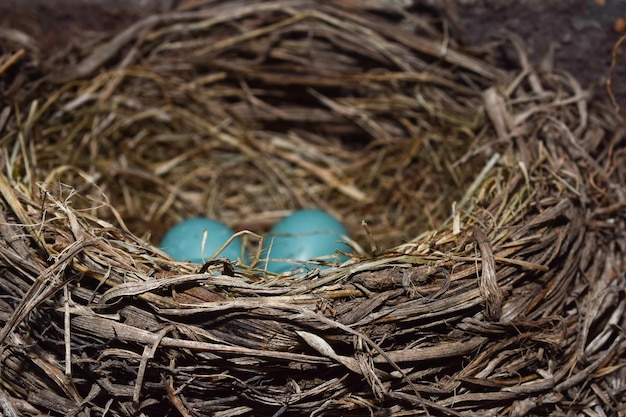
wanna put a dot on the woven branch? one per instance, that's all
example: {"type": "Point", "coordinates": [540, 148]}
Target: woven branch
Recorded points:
{"type": "Point", "coordinates": [494, 204]}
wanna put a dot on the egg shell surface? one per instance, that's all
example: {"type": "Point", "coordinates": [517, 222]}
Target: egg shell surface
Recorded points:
{"type": "Point", "coordinates": [183, 242]}
{"type": "Point", "coordinates": [302, 236]}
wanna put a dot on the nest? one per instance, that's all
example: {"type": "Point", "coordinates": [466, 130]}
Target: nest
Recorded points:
{"type": "Point", "coordinates": [486, 208]}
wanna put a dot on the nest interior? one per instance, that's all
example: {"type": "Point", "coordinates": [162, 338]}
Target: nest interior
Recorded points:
{"type": "Point", "coordinates": [485, 206]}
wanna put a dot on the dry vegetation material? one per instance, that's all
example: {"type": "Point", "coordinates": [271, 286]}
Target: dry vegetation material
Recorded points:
{"type": "Point", "coordinates": [488, 280]}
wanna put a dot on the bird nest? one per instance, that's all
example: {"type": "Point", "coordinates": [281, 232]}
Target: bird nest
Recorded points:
{"type": "Point", "coordinates": [485, 207]}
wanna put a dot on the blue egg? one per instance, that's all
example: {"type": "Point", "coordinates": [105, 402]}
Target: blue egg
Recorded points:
{"type": "Point", "coordinates": [303, 236]}
{"type": "Point", "coordinates": [183, 242]}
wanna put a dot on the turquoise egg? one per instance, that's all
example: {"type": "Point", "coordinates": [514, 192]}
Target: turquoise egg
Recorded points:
{"type": "Point", "coordinates": [303, 236]}
{"type": "Point", "coordinates": [183, 242]}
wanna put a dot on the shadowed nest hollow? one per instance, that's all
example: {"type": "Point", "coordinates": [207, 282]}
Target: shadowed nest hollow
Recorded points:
{"type": "Point", "coordinates": [485, 208]}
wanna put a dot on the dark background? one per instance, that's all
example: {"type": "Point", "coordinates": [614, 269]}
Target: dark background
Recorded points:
{"type": "Point", "coordinates": [575, 35]}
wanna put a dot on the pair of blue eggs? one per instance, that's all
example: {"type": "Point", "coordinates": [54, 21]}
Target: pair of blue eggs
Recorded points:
{"type": "Point", "coordinates": [296, 241]}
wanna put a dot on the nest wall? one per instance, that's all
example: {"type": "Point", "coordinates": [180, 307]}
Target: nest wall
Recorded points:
{"type": "Point", "coordinates": [486, 208]}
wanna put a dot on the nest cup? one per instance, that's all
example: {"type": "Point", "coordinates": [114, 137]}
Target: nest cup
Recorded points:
{"type": "Point", "coordinates": [485, 207]}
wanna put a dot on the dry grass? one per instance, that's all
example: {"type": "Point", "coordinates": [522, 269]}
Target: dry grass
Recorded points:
{"type": "Point", "coordinates": [488, 280]}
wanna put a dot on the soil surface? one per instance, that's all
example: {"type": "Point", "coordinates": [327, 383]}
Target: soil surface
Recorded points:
{"type": "Point", "coordinates": [575, 35]}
